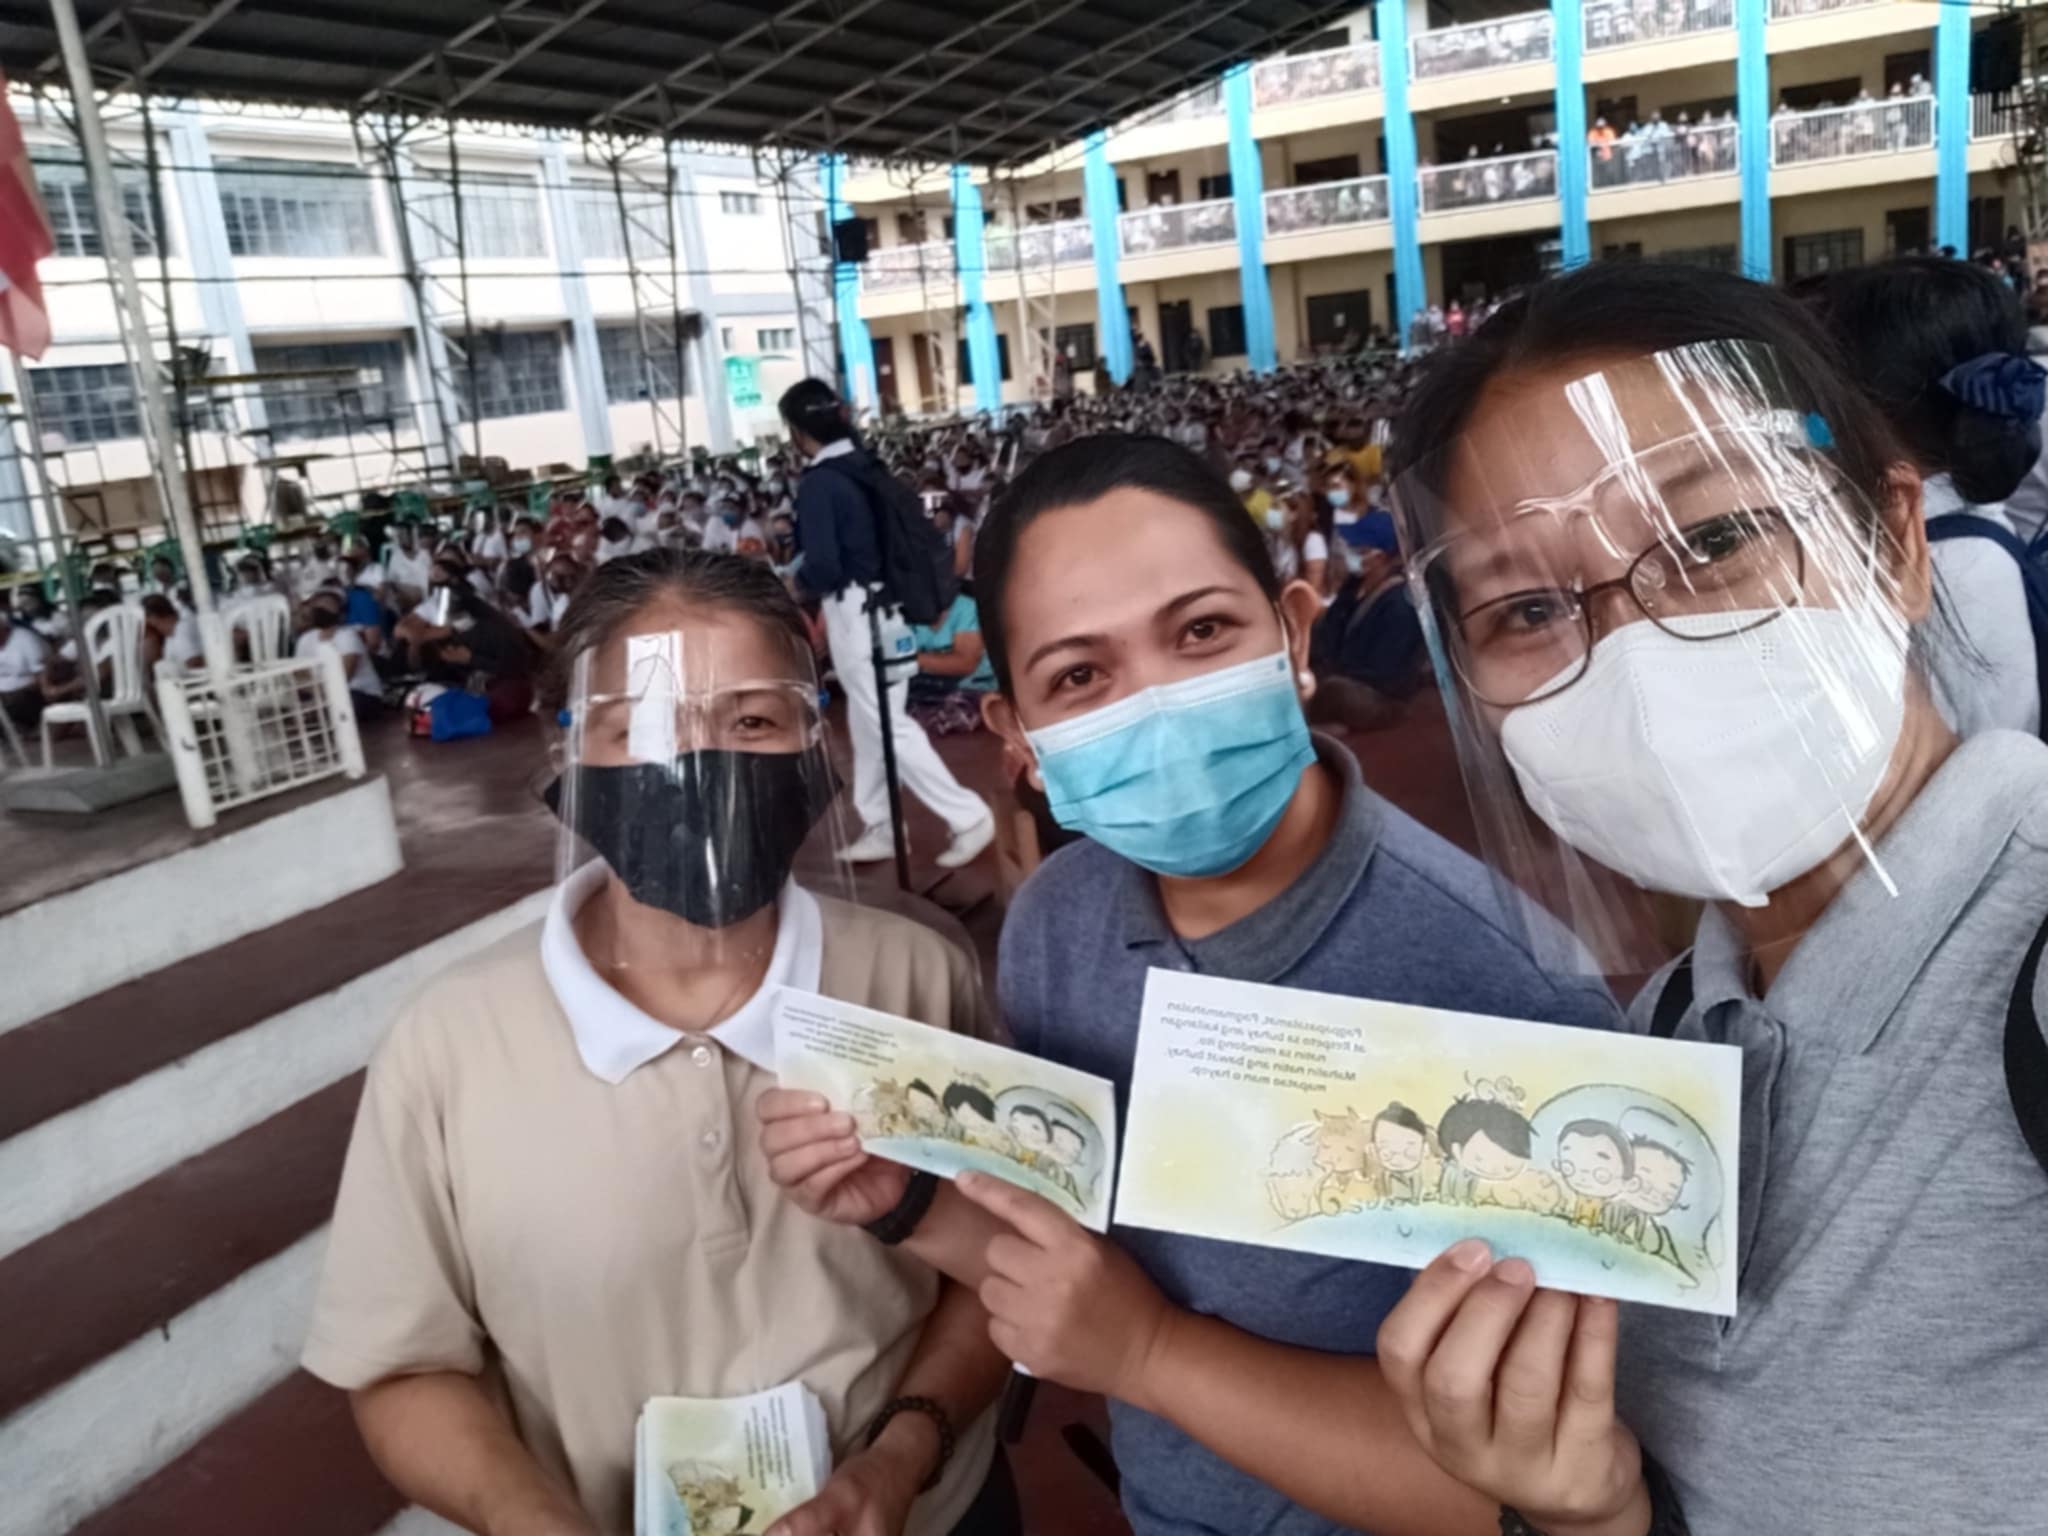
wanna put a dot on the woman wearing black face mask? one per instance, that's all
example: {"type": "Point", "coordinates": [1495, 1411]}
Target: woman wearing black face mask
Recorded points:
{"type": "Point", "coordinates": [555, 1205]}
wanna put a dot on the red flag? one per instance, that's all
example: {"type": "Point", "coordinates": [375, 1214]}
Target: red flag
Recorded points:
{"type": "Point", "coordinates": [24, 240]}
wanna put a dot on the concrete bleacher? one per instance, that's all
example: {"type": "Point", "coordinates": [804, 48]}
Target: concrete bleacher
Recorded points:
{"type": "Point", "coordinates": [170, 1147]}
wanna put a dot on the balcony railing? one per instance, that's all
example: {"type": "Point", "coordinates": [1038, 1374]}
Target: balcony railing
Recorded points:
{"type": "Point", "coordinates": [1845, 133]}
{"type": "Point", "coordinates": [1482, 183]}
{"type": "Point", "coordinates": [1786, 10]}
{"type": "Point", "coordinates": [1482, 45]}
{"type": "Point", "coordinates": [1618, 23]}
{"type": "Point", "coordinates": [896, 267]}
{"type": "Point", "coordinates": [1998, 116]}
{"type": "Point", "coordinates": [1203, 101]}
{"type": "Point", "coordinates": [1327, 205]}
{"type": "Point", "coordinates": [1062, 244]}
{"type": "Point", "coordinates": [1177, 227]}
{"type": "Point", "coordinates": [1316, 76]}
{"type": "Point", "coordinates": [1650, 159]}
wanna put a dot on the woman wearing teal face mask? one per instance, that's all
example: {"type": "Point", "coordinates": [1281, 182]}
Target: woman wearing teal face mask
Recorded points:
{"type": "Point", "coordinates": [1152, 667]}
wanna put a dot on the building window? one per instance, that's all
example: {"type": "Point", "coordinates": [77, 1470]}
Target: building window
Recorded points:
{"type": "Point", "coordinates": [725, 334]}
{"type": "Point", "coordinates": [1812, 255]}
{"type": "Point", "coordinates": [375, 391]}
{"type": "Point", "coordinates": [93, 403]}
{"type": "Point", "coordinates": [1226, 331]}
{"type": "Point", "coordinates": [600, 235]}
{"type": "Point", "coordinates": [1309, 173]}
{"type": "Point", "coordinates": [776, 338]}
{"type": "Point", "coordinates": [1050, 213]}
{"type": "Point", "coordinates": [746, 204]}
{"type": "Point", "coordinates": [1002, 359]}
{"type": "Point", "coordinates": [501, 218]}
{"type": "Point", "coordinates": [625, 367]}
{"type": "Point", "coordinates": [75, 221]}
{"type": "Point", "coordinates": [296, 208]}
{"type": "Point", "coordinates": [1076, 343]}
{"type": "Point", "coordinates": [1215, 187]}
{"type": "Point", "coordinates": [1715, 258]}
{"type": "Point", "coordinates": [518, 373]}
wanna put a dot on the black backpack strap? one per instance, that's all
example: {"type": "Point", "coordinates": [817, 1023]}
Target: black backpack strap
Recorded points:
{"type": "Point", "coordinates": [2026, 1056]}
{"type": "Point", "coordinates": [1674, 1001]}
{"type": "Point", "coordinates": [1967, 525]}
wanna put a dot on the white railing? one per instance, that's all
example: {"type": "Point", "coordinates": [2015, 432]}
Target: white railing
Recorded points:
{"type": "Point", "coordinates": [1063, 244]}
{"type": "Point", "coordinates": [1649, 159]}
{"type": "Point", "coordinates": [1482, 183]}
{"type": "Point", "coordinates": [1618, 23]}
{"type": "Point", "coordinates": [265, 730]}
{"type": "Point", "coordinates": [1997, 117]}
{"type": "Point", "coordinates": [1844, 133]}
{"type": "Point", "coordinates": [1202, 101]}
{"type": "Point", "coordinates": [1785, 10]}
{"type": "Point", "coordinates": [896, 267]}
{"type": "Point", "coordinates": [1497, 44]}
{"type": "Point", "coordinates": [1177, 227]}
{"type": "Point", "coordinates": [1326, 205]}
{"type": "Point", "coordinates": [1316, 76]}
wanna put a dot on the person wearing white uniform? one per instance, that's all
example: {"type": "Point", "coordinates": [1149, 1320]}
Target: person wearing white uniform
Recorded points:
{"type": "Point", "coordinates": [837, 527]}
{"type": "Point", "coordinates": [23, 654]}
{"type": "Point", "coordinates": [325, 613]}
{"type": "Point", "coordinates": [406, 569]}
{"type": "Point", "coordinates": [1940, 345]}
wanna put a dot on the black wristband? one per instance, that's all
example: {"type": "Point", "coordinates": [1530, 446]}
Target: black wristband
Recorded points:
{"type": "Point", "coordinates": [931, 1410]}
{"type": "Point", "coordinates": [897, 1224]}
{"type": "Point", "coordinates": [1667, 1518]}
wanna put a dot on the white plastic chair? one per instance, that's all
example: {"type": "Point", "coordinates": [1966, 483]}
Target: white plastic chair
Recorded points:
{"type": "Point", "coordinates": [113, 637]}
{"type": "Point", "coordinates": [267, 621]}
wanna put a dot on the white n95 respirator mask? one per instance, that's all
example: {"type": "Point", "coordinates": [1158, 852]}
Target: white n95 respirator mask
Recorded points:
{"type": "Point", "coordinates": [1717, 769]}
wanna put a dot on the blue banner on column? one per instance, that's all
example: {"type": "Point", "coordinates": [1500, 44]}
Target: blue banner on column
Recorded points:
{"type": "Point", "coordinates": [1753, 134]}
{"type": "Point", "coordinates": [1575, 237]}
{"type": "Point", "coordinates": [1952, 128]}
{"type": "Point", "coordinates": [984, 359]}
{"type": "Point", "coordinates": [1248, 195]}
{"type": "Point", "coordinates": [856, 348]}
{"type": "Point", "coordinates": [1112, 320]}
{"type": "Point", "coordinates": [1401, 187]}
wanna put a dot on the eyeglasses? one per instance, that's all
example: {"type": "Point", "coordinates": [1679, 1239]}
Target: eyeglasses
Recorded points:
{"type": "Point", "coordinates": [1721, 576]}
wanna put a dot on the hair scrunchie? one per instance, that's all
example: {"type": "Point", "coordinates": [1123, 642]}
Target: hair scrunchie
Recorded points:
{"type": "Point", "coordinates": [2001, 384]}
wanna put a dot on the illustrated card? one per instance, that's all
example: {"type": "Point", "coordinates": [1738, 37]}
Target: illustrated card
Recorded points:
{"type": "Point", "coordinates": [728, 1466]}
{"type": "Point", "coordinates": [1369, 1130]}
{"type": "Point", "coordinates": [947, 1103]}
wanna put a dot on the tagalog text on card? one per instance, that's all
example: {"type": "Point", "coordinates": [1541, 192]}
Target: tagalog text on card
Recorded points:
{"type": "Point", "coordinates": [947, 1103]}
{"type": "Point", "coordinates": [727, 1466]}
{"type": "Point", "coordinates": [1370, 1130]}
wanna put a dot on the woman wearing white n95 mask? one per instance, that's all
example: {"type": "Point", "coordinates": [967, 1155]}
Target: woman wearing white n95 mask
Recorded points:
{"type": "Point", "coordinates": [1673, 566]}
{"type": "Point", "coordinates": [1152, 668]}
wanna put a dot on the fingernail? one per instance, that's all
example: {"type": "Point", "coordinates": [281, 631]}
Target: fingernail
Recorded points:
{"type": "Point", "coordinates": [1469, 1255]}
{"type": "Point", "coordinates": [1515, 1272]}
{"type": "Point", "coordinates": [844, 1123]}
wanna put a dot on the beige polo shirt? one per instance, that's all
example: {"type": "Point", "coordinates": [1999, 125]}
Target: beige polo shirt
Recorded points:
{"type": "Point", "coordinates": [604, 1242]}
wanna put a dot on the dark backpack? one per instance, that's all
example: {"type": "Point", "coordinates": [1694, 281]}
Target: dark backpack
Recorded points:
{"type": "Point", "coordinates": [917, 562]}
{"type": "Point", "coordinates": [2033, 574]}
{"type": "Point", "coordinates": [2026, 1048]}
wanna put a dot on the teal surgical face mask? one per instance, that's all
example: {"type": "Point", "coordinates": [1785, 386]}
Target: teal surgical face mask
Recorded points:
{"type": "Point", "coordinates": [1188, 778]}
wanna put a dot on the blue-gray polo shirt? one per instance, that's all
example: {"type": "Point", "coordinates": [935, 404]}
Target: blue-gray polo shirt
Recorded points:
{"type": "Point", "coordinates": [1388, 910]}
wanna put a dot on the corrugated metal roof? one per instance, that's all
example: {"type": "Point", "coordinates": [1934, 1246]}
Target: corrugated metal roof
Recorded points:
{"type": "Point", "coordinates": [984, 81]}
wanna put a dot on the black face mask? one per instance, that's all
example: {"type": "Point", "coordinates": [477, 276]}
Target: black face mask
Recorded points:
{"type": "Point", "coordinates": [652, 823]}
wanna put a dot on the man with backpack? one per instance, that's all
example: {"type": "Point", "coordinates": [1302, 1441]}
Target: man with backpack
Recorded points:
{"type": "Point", "coordinates": [877, 566]}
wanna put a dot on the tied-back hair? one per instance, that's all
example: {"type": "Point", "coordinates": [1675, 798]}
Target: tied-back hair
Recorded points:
{"type": "Point", "coordinates": [812, 406]}
{"type": "Point", "coordinates": [1085, 470]}
{"type": "Point", "coordinates": [1906, 323]}
{"type": "Point", "coordinates": [1633, 309]}
{"type": "Point", "coordinates": [619, 589]}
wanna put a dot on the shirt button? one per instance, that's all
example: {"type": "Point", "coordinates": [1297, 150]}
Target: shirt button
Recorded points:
{"type": "Point", "coordinates": [702, 1055]}
{"type": "Point", "coordinates": [711, 1141]}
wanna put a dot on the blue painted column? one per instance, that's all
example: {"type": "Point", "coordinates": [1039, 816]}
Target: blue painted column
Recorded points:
{"type": "Point", "coordinates": [1248, 197]}
{"type": "Point", "coordinates": [1112, 321]}
{"type": "Point", "coordinates": [1568, 28]}
{"type": "Point", "coordinates": [970, 258]}
{"type": "Point", "coordinates": [1753, 134]}
{"type": "Point", "coordinates": [1402, 191]}
{"type": "Point", "coordinates": [1952, 128]}
{"type": "Point", "coordinates": [856, 348]}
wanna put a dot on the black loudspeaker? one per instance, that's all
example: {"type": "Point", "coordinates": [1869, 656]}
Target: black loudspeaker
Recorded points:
{"type": "Point", "coordinates": [693, 325]}
{"type": "Point", "coordinates": [849, 240]}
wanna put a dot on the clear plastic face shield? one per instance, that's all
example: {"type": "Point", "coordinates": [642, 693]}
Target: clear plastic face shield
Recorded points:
{"type": "Point", "coordinates": [695, 783]}
{"type": "Point", "coordinates": [1671, 636]}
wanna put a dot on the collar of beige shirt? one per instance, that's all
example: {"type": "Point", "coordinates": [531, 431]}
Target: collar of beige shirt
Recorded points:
{"type": "Point", "coordinates": [614, 1037]}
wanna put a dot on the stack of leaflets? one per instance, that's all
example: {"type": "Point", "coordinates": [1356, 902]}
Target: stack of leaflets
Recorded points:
{"type": "Point", "coordinates": [727, 1466]}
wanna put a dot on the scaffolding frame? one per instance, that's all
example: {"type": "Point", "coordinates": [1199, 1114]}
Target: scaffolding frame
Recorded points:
{"type": "Point", "coordinates": [1037, 306]}
{"type": "Point", "coordinates": [660, 323]}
